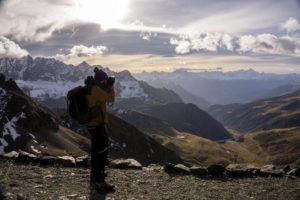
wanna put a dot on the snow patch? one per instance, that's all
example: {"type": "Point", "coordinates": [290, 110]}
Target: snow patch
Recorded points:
{"type": "Point", "coordinates": [3, 145]}
{"type": "Point", "coordinates": [10, 126]}
{"type": "Point", "coordinates": [41, 89]}
{"type": "Point", "coordinates": [130, 89]}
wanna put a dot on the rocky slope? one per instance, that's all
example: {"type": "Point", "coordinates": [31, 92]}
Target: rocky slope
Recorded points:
{"type": "Point", "coordinates": [33, 182]}
{"type": "Point", "coordinates": [265, 114]}
{"type": "Point", "coordinates": [27, 126]}
{"type": "Point", "coordinates": [188, 118]}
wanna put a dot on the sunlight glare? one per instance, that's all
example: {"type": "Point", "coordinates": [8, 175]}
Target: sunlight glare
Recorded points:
{"type": "Point", "coordinates": [107, 13]}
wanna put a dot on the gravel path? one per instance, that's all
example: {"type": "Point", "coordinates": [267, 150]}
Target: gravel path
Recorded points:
{"type": "Point", "coordinates": [34, 182]}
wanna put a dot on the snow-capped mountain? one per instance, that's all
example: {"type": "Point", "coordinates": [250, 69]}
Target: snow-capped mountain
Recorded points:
{"type": "Point", "coordinates": [220, 87]}
{"type": "Point", "coordinates": [47, 79]}
{"type": "Point", "coordinates": [26, 126]}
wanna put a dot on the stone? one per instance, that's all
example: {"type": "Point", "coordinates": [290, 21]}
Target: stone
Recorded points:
{"type": "Point", "coordinates": [240, 170]}
{"type": "Point", "coordinates": [198, 171]}
{"type": "Point", "coordinates": [26, 157]}
{"type": "Point", "coordinates": [294, 172]}
{"type": "Point", "coordinates": [270, 170]}
{"type": "Point", "coordinates": [216, 170]}
{"type": "Point", "coordinates": [66, 161]}
{"type": "Point", "coordinates": [10, 155]}
{"type": "Point", "coordinates": [169, 168]}
{"type": "Point", "coordinates": [153, 167]}
{"type": "Point", "coordinates": [82, 161]}
{"type": "Point", "coordinates": [180, 168]}
{"type": "Point", "coordinates": [125, 164]}
{"type": "Point", "coordinates": [47, 160]}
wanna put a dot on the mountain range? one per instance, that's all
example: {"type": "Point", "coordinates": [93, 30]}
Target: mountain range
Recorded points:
{"type": "Point", "coordinates": [26, 125]}
{"type": "Point", "coordinates": [216, 87]}
{"type": "Point", "coordinates": [155, 124]}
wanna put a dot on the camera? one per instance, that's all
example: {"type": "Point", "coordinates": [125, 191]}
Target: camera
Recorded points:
{"type": "Point", "coordinates": [110, 81]}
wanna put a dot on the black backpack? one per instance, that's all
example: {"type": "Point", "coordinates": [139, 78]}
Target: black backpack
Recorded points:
{"type": "Point", "coordinates": [78, 106]}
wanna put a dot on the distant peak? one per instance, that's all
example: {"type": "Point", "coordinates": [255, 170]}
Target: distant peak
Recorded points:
{"type": "Point", "coordinates": [83, 63]}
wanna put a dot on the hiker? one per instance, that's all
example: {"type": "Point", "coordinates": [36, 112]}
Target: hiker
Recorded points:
{"type": "Point", "coordinates": [101, 93]}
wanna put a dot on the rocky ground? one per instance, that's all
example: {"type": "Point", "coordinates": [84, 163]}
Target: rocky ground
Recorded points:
{"type": "Point", "coordinates": [19, 181]}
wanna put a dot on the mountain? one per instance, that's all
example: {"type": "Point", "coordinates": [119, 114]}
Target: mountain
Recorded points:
{"type": "Point", "coordinates": [188, 118]}
{"type": "Point", "coordinates": [47, 80]}
{"type": "Point", "coordinates": [265, 114]}
{"type": "Point", "coordinates": [218, 87]}
{"type": "Point", "coordinates": [127, 141]}
{"type": "Point", "coordinates": [27, 126]}
{"type": "Point", "coordinates": [191, 148]}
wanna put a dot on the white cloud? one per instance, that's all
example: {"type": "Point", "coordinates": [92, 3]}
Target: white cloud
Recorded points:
{"type": "Point", "coordinates": [260, 44]}
{"type": "Point", "coordinates": [82, 51]}
{"type": "Point", "coordinates": [32, 20]}
{"type": "Point", "coordinates": [202, 41]}
{"type": "Point", "coordinates": [183, 46]}
{"type": "Point", "coordinates": [270, 44]}
{"type": "Point", "coordinates": [291, 25]}
{"type": "Point", "coordinates": [9, 48]}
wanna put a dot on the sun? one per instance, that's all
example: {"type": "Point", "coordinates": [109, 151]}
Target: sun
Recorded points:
{"type": "Point", "coordinates": [107, 13]}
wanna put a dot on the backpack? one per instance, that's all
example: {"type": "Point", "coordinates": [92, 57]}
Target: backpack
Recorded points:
{"type": "Point", "coordinates": [78, 106]}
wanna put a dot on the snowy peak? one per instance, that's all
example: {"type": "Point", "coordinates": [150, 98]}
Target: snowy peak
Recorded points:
{"type": "Point", "coordinates": [128, 87]}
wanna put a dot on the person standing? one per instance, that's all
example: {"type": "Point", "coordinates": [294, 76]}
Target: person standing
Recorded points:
{"type": "Point", "coordinates": [101, 92]}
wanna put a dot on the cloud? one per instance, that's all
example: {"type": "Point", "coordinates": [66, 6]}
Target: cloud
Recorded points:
{"type": "Point", "coordinates": [291, 25]}
{"type": "Point", "coordinates": [32, 20]}
{"type": "Point", "coordinates": [9, 48]}
{"type": "Point", "coordinates": [202, 41]}
{"type": "Point", "coordinates": [82, 51]}
{"type": "Point", "coordinates": [270, 44]}
{"type": "Point", "coordinates": [215, 42]}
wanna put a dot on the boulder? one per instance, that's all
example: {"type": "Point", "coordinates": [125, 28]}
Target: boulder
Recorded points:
{"type": "Point", "coordinates": [240, 169]}
{"type": "Point", "coordinates": [198, 171]}
{"type": "Point", "coordinates": [125, 164]}
{"type": "Point", "coordinates": [153, 167]}
{"type": "Point", "coordinates": [66, 161]}
{"type": "Point", "coordinates": [26, 157]}
{"type": "Point", "coordinates": [82, 161]}
{"type": "Point", "coordinates": [216, 170]}
{"type": "Point", "coordinates": [270, 170]}
{"type": "Point", "coordinates": [47, 160]}
{"type": "Point", "coordinates": [180, 168]}
{"type": "Point", "coordinates": [10, 155]}
{"type": "Point", "coordinates": [294, 172]}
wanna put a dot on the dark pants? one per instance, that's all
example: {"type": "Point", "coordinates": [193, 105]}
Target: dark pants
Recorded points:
{"type": "Point", "coordinates": [99, 152]}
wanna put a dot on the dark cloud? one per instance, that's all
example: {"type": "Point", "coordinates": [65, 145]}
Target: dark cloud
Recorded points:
{"type": "Point", "coordinates": [117, 41]}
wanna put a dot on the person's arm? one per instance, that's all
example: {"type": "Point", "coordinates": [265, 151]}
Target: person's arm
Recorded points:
{"type": "Point", "coordinates": [111, 94]}
{"type": "Point", "coordinates": [103, 96]}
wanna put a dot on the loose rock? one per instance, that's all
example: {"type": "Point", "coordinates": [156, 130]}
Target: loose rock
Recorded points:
{"type": "Point", "coordinates": [125, 164]}
{"type": "Point", "coordinates": [240, 169]}
{"type": "Point", "coordinates": [180, 168]}
{"type": "Point", "coordinates": [270, 170]}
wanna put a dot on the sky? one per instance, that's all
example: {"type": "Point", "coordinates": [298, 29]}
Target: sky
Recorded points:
{"type": "Point", "coordinates": [160, 35]}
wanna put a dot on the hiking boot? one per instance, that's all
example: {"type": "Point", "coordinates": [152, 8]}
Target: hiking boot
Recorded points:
{"type": "Point", "coordinates": [104, 187]}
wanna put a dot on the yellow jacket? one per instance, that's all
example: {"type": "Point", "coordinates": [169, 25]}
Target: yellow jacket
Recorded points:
{"type": "Point", "coordinates": [99, 98]}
